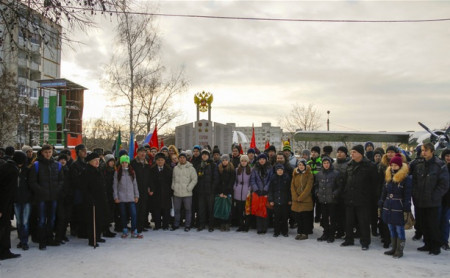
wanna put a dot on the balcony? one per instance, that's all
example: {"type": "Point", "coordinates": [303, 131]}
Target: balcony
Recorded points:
{"type": "Point", "coordinates": [34, 66]}
{"type": "Point", "coordinates": [22, 62]}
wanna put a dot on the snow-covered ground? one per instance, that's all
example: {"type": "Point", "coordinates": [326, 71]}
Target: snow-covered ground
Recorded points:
{"type": "Point", "coordinates": [221, 254]}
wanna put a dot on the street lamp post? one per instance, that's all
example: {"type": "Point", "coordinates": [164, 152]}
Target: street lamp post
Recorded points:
{"type": "Point", "coordinates": [328, 120]}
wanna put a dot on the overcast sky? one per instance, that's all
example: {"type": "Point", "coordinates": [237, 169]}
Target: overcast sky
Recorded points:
{"type": "Point", "coordinates": [371, 76]}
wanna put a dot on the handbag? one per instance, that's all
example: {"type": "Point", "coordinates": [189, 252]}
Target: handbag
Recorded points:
{"type": "Point", "coordinates": [248, 204]}
{"type": "Point", "coordinates": [222, 208]}
{"type": "Point", "coordinates": [259, 205]}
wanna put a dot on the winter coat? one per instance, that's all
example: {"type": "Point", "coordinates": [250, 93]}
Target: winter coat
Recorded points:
{"type": "Point", "coordinates": [328, 185]}
{"type": "Point", "coordinates": [360, 183]}
{"type": "Point", "coordinates": [396, 196]}
{"type": "Point", "coordinates": [94, 193]}
{"type": "Point", "coordinates": [280, 189]}
{"type": "Point", "coordinates": [446, 198]}
{"type": "Point", "coordinates": [242, 185]}
{"type": "Point", "coordinates": [430, 183]}
{"type": "Point", "coordinates": [9, 173]}
{"type": "Point", "coordinates": [315, 164]}
{"type": "Point", "coordinates": [235, 161]}
{"type": "Point", "coordinates": [47, 182]}
{"type": "Point", "coordinates": [108, 173]}
{"type": "Point", "coordinates": [23, 193]}
{"type": "Point", "coordinates": [301, 187]}
{"type": "Point", "coordinates": [142, 172]}
{"type": "Point", "coordinates": [184, 180]}
{"type": "Point", "coordinates": [260, 178]}
{"type": "Point", "coordinates": [161, 186]}
{"type": "Point", "coordinates": [205, 182]}
{"type": "Point", "coordinates": [341, 165]}
{"type": "Point", "coordinates": [126, 189]}
{"type": "Point", "coordinates": [75, 171]}
{"type": "Point", "coordinates": [225, 179]}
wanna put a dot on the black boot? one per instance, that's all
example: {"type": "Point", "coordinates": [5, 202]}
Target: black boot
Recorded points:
{"type": "Point", "coordinates": [394, 247]}
{"type": "Point", "coordinates": [400, 246]}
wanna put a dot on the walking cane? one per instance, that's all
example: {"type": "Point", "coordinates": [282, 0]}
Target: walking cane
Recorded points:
{"type": "Point", "coordinates": [95, 233]}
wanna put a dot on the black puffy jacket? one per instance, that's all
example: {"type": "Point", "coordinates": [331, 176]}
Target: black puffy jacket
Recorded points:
{"type": "Point", "coordinates": [225, 178]}
{"type": "Point", "coordinates": [430, 183]}
{"type": "Point", "coordinates": [205, 182]}
{"type": "Point", "coordinates": [328, 185]}
{"type": "Point", "coordinates": [280, 189]}
{"type": "Point", "coordinates": [46, 179]}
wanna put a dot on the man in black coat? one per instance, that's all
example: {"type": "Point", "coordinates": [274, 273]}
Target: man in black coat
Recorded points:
{"type": "Point", "coordinates": [9, 173]}
{"type": "Point", "coordinates": [46, 182]}
{"type": "Point", "coordinates": [161, 191]}
{"type": "Point", "coordinates": [77, 226]}
{"type": "Point", "coordinates": [360, 183]}
{"type": "Point", "coordinates": [205, 191]}
{"type": "Point", "coordinates": [142, 170]}
{"type": "Point", "coordinates": [430, 183]}
{"type": "Point", "coordinates": [94, 196]}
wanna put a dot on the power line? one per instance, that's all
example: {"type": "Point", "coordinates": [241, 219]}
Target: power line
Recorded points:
{"type": "Point", "coordinates": [262, 18]}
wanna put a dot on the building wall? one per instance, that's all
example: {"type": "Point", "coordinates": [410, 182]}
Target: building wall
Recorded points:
{"type": "Point", "coordinates": [33, 58]}
{"type": "Point", "coordinates": [262, 133]}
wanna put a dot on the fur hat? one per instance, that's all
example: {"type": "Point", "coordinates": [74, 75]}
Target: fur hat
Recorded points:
{"type": "Point", "coordinates": [109, 157]}
{"type": "Point", "coordinates": [225, 157]}
{"type": "Point", "coordinates": [397, 159]}
{"type": "Point", "coordinates": [26, 148]}
{"type": "Point", "coordinates": [244, 157]}
{"type": "Point", "coordinates": [93, 155]}
{"type": "Point", "coordinates": [315, 149]}
{"type": "Point", "coordinates": [380, 150]}
{"type": "Point", "coordinates": [327, 149]}
{"type": "Point", "coordinates": [359, 148]}
{"type": "Point", "coordinates": [343, 149]}
{"type": "Point", "coordinates": [19, 157]}
{"type": "Point", "coordinates": [80, 147]}
{"type": "Point", "coordinates": [279, 166]}
{"type": "Point", "coordinates": [160, 155]}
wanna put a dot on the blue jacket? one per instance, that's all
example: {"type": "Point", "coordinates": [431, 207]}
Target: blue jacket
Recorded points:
{"type": "Point", "coordinates": [396, 196]}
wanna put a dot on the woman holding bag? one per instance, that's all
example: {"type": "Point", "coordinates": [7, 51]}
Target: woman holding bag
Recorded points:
{"type": "Point", "coordinates": [224, 188]}
{"type": "Point", "coordinates": [260, 180]}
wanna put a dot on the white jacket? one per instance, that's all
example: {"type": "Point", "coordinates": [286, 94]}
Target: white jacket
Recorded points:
{"type": "Point", "coordinates": [184, 179]}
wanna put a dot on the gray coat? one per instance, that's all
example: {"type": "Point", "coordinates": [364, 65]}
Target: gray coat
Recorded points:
{"type": "Point", "coordinates": [126, 189]}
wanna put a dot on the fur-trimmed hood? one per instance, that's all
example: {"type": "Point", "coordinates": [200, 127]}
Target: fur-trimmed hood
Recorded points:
{"type": "Point", "coordinates": [400, 176]}
{"type": "Point", "coordinates": [385, 160]}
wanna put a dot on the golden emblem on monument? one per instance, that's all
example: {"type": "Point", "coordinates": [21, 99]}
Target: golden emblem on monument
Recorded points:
{"type": "Point", "coordinates": [203, 101]}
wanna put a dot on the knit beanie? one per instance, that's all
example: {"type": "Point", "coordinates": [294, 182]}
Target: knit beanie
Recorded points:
{"type": "Point", "coordinates": [359, 148]}
{"type": "Point", "coordinates": [368, 143]}
{"type": "Point", "coordinates": [26, 148]}
{"type": "Point", "coordinates": [327, 149]}
{"type": "Point", "coordinates": [397, 159]}
{"type": "Point", "coordinates": [343, 149]}
{"type": "Point", "coordinates": [392, 148]}
{"type": "Point", "coordinates": [124, 158]}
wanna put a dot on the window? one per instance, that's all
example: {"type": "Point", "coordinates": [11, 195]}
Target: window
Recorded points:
{"type": "Point", "coordinates": [34, 93]}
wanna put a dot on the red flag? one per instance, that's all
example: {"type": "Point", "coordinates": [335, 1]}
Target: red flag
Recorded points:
{"type": "Point", "coordinates": [267, 145]}
{"type": "Point", "coordinates": [136, 147]}
{"type": "Point", "coordinates": [253, 141]}
{"type": "Point", "coordinates": [154, 140]}
{"type": "Point", "coordinates": [240, 149]}
{"type": "Point", "coordinates": [162, 143]}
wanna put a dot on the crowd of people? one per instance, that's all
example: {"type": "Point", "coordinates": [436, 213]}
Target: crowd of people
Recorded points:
{"type": "Point", "coordinates": [367, 192]}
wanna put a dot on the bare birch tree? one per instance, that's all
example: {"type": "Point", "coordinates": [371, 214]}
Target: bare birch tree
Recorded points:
{"type": "Point", "coordinates": [136, 74]}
